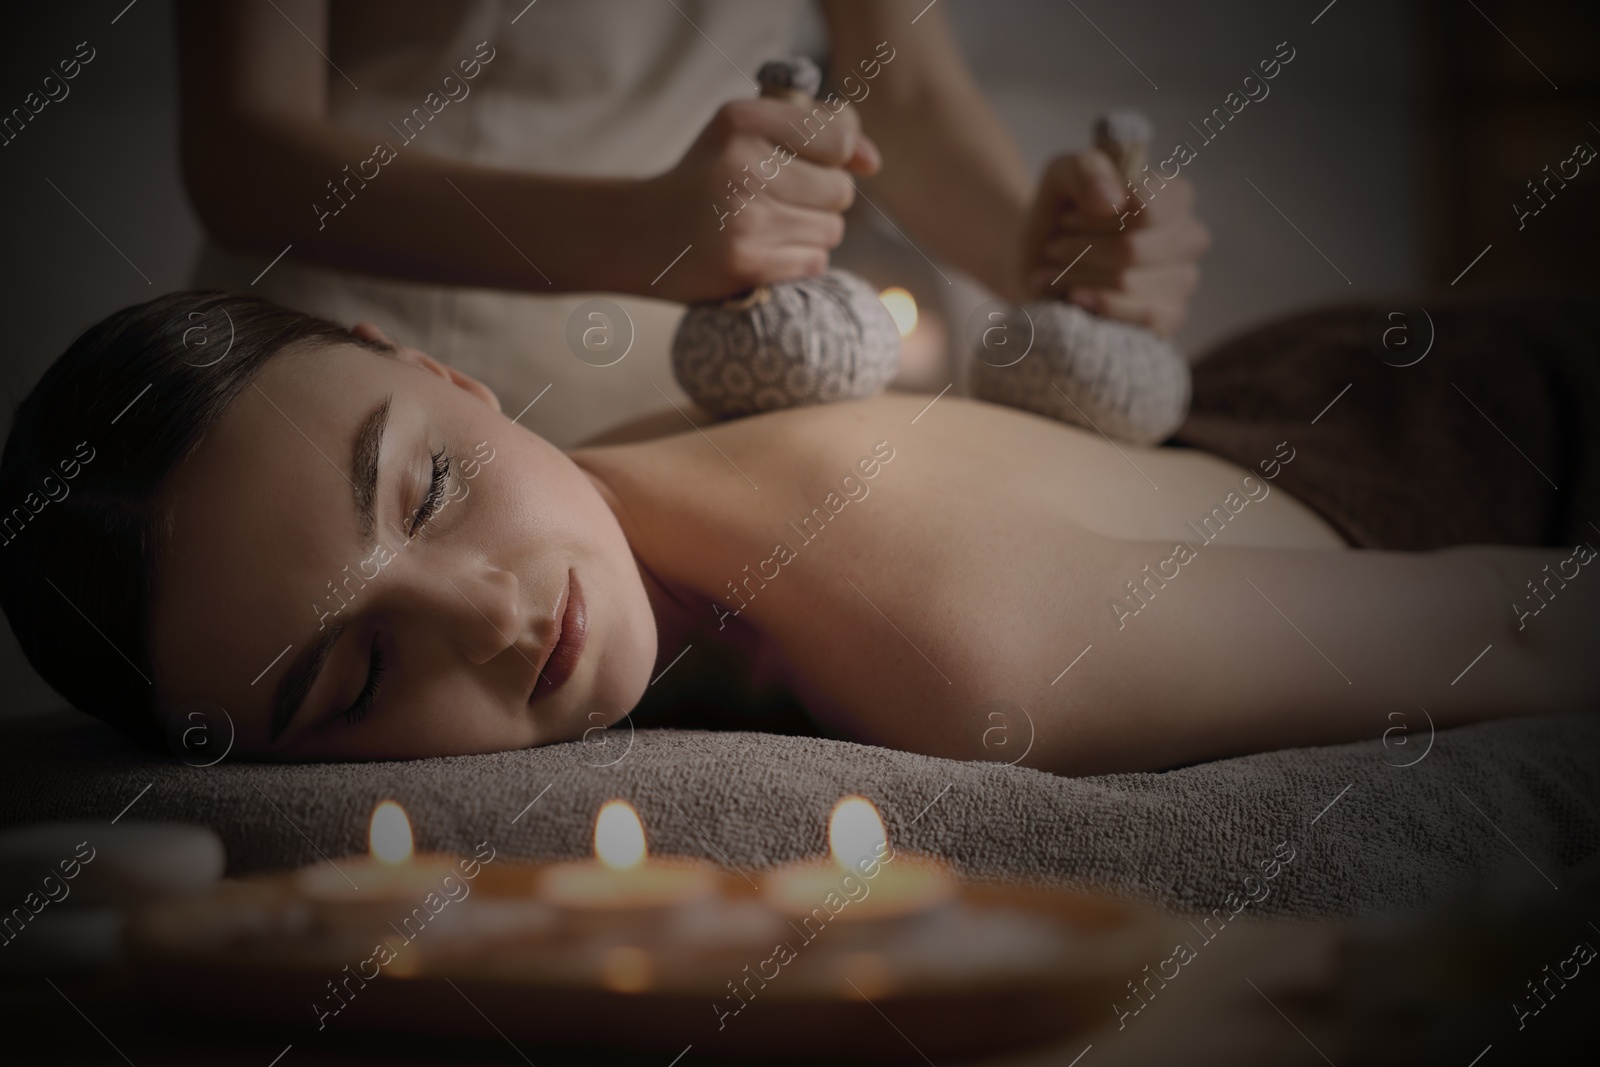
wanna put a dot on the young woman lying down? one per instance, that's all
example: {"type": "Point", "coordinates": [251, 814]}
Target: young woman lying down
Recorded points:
{"type": "Point", "coordinates": [356, 553]}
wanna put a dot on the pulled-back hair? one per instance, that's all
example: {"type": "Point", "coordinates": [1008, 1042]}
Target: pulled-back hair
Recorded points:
{"type": "Point", "coordinates": [81, 531]}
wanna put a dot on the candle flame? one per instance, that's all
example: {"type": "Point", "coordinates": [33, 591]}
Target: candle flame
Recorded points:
{"type": "Point", "coordinates": [619, 836]}
{"type": "Point", "coordinates": [855, 833]}
{"type": "Point", "coordinates": [902, 308]}
{"type": "Point", "coordinates": [390, 834]}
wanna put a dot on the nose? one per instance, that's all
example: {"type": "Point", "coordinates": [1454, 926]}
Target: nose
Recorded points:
{"type": "Point", "coordinates": [482, 607]}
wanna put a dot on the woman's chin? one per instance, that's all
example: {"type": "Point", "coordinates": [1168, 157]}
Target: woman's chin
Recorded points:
{"type": "Point", "coordinates": [621, 676]}
{"type": "Point", "coordinates": [617, 659]}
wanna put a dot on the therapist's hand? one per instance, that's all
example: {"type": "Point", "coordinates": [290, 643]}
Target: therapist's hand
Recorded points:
{"type": "Point", "coordinates": [1140, 265]}
{"type": "Point", "coordinates": [778, 219]}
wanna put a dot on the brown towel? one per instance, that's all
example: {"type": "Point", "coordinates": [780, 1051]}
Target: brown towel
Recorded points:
{"type": "Point", "coordinates": [1492, 437]}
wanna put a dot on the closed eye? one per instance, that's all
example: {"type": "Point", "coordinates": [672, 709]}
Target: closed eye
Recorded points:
{"type": "Point", "coordinates": [369, 692]}
{"type": "Point", "coordinates": [435, 498]}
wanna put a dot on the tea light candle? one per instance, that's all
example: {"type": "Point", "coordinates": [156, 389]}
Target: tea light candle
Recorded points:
{"type": "Point", "coordinates": [865, 880]}
{"type": "Point", "coordinates": [922, 339]}
{"type": "Point", "coordinates": [622, 878]}
{"type": "Point", "coordinates": [373, 889]}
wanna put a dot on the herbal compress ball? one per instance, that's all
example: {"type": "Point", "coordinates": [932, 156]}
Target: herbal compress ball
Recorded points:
{"type": "Point", "coordinates": [1096, 373]}
{"type": "Point", "coordinates": [1104, 375]}
{"type": "Point", "coordinates": [807, 341]}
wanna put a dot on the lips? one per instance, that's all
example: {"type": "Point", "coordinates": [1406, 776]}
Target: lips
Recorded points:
{"type": "Point", "coordinates": [564, 654]}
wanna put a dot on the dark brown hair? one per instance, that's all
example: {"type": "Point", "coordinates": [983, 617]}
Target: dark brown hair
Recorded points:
{"type": "Point", "coordinates": [90, 447]}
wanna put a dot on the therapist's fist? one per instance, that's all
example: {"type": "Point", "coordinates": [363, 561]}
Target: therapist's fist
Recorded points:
{"type": "Point", "coordinates": [1091, 241]}
{"type": "Point", "coordinates": [759, 197]}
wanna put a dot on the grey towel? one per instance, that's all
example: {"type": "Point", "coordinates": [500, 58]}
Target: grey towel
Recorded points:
{"type": "Point", "coordinates": [1518, 799]}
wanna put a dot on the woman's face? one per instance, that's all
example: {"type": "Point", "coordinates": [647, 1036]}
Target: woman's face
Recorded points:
{"type": "Point", "coordinates": [367, 560]}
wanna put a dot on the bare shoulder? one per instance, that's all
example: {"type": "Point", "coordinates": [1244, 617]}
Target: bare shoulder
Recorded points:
{"type": "Point", "coordinates": [776, 447]}
{"type": "Point", "coordinates": [719, 470]}
{"type": "Point", "coordinates": [665, 423]}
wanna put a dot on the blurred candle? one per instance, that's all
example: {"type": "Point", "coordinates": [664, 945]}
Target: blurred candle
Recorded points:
{"type": "Point", "coordinates": [622, 877]}
{"type": "Point", "coordinates": [865, 880]}
{"type": "Point", "coordinates": [375, 888]}
{"type": "Point", "coordinates": [902, 307]}
{"type": "Point", "coordinates": [922, 339]}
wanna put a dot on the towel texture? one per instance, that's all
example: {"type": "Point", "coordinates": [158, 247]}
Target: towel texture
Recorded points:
{"type": "Point", "coordinates": [1513, 799]}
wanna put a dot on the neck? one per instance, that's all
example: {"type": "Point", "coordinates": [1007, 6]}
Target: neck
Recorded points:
{"type": "Point", "coordinates": [671, 603]}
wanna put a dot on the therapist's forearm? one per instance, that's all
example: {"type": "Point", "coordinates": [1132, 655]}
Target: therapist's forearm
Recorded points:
{"type": "Point", "coordinates": [952, 178]}
{"type": "Point", "coordinates": [954, 181]}
{"type": "Point", "coordinates": [260, 184]}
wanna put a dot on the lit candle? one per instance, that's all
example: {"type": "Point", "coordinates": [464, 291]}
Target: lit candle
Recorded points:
{"type": "Point", "coordinates": [622, 877]}
{"type": "Point", "coordinates": [922, 340]}
{"type": "Point", "coordinates": [376, 888]}
{"type": "Point", "coordinates": [865, 880]}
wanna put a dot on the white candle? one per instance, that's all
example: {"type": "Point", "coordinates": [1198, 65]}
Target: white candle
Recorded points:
{"type": "Point", "coordinates": [922, 339]}
{"type": "Point", "coordinates": [623, 878]}
{"type": "Point", "coordinates": [360, 892]}
{"type": "Point", "coordinates": [864, 881]}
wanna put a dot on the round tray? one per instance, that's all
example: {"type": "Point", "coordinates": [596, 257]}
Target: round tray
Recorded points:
{"type": "Point", "coordinates": [997, 968]}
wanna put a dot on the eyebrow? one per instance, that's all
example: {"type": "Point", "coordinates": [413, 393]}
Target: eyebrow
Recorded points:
{"type": "Point", "coordinates": [364, 463]}
{"type": "Point", "coordinates": [302, 672]}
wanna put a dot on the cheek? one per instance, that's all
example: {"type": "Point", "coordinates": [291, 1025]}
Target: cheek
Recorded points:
{"type": "Point", "coordinates": [538, 479]}
{"type": "Point", "coordinates": [442, 712]}
{"type": "Point", "coordinates": [627, 635]}
{"type": "Point", "coordinates": [547, 515]}
{"type": "Point", "coordinates": [453, 714]}
{"type": "Point", "coordinates": [558, 517]}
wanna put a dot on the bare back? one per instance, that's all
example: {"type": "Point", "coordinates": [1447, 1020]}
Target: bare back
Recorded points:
{"type": "Point", "coordinates": [921, 566]}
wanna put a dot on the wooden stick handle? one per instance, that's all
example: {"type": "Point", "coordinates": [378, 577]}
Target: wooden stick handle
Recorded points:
{"type": "Point", "coordinates": [795, 80]}
{"type": "Point", "coordinates": [1124, 136]}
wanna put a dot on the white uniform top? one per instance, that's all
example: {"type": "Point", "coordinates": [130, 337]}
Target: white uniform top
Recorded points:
{"type": "Point", "coordinates": [607, 88]}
